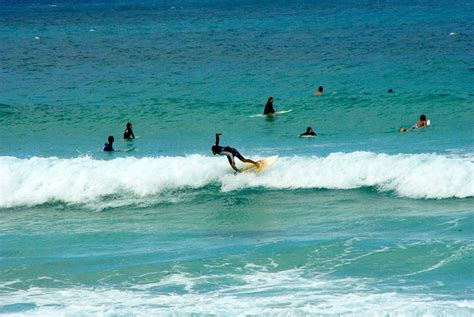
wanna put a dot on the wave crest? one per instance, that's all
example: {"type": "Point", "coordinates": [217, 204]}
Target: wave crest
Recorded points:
{"type": "Point", "coordinates": [80, 180]}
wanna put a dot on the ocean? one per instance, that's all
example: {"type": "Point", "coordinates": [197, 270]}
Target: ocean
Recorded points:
{"type": "Point", "coordinates": [361, 220]}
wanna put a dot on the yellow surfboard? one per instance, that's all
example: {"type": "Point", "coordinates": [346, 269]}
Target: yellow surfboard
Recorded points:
{"type": "Point", "coordinates": [262, 165]}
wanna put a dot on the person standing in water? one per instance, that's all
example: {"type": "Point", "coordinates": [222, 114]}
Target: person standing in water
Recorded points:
{"type": "Point", "coordinates": [128, 133]}
{"type": "Point", "coordinates": [231, 153]}
{"type": "Point", "coordinates": [269, 107]}
{"type": "Point", "coordinates": [420, 124]}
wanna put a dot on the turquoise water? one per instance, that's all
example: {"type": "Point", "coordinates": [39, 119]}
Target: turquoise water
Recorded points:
{"type": "Point", "coordinates": [362, 220]}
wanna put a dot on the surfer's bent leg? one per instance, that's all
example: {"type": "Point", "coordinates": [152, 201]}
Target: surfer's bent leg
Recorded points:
{"type": "Point", "coordinates": [232, 163]}
{"type": "Point", "coordinates": [243, 159]}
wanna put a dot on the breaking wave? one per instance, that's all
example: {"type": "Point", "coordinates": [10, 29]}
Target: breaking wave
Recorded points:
{"type": "Point", "coordinates": [40, 180]}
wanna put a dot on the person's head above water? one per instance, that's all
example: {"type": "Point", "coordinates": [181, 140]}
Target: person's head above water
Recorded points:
{"type": "Point", "coordinates": [111, 139]}
{"type": "Point", "coordinates": [390, 90]}
{"type": "Point", "coordinates": [319, 91]}
{"type": "Point", "coordinates": [270, 100]}
{"type": "Point", "coordinates": [215, 149]}
{"type": "Point", "coordinates": [129, 125]}
{"type": "Point", "coordinates": [422, 117]}
{"type": "Point", "coordinates": [309, 129]}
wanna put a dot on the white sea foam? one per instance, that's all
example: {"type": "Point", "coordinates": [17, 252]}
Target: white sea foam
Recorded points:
{"type": "Point", "coordinates": [408, 175]}
{"type": "Point", "coordinates": [83, 180]}
{"type": "Point", "coordinates": [286, 293]}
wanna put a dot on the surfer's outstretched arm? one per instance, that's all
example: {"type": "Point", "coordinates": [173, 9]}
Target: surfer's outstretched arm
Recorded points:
{"type": "Point", "coordinates": [217, 138]}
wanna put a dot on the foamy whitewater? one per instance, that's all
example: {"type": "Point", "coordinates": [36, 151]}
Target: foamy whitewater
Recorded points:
{"type": "Point", "coordinates": [309, 295]}
{"type": "Point", "coordinates": [361, 220]}
{"type": "Point", "coordinates": [40, 180]}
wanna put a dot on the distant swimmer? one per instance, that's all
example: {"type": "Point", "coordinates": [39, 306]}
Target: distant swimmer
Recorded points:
{"type": "Point", "coordinates": [309, 132]}
{"type": "Point", "coordinates": [420, 124]}
{"type": "Point", "coordinates": [390, 90]}
{"type": "Point", "coordinates": [230, 152]}
{"type": "Point", "coordinates": [319, 92]}
{"type": "Point", "coordinates": [108, 147]}
{"type": "Point", "coordinates": [269, 107]}
{"type": "Point", "coordinates": [128, 133]}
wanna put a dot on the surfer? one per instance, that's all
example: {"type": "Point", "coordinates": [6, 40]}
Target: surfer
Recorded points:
{"type": "Point", "coordinates": [128, 133]}
{"type": "Point", "coordinates": [230, 152]}
{"type": "Point", "coordinates": [269, 107]}
{"type": "Point", "coordinates": [319, 92]}
{"type": "Point", "coordinates": [108, 147]}
{"type": "Point", "coordinates": [420, 124]}
{"type": "Point", "coordinates": [309, 132]}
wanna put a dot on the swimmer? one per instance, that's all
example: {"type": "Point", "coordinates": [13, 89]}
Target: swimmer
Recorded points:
{"type": "Point", "coordinates": [420, 124]}
{"type": "Point", "coordinates": [128, 133]}
{"type": "Point", "coordinates": [230, 152]}
{"type": "Point", "coordinates": [319, 92]}
{"type": "Point", "coordinates": [390, 90]}
{"type": "Point", "coordinates": [309, 132]}
{"type": "Point", "coordinates": [269, 107]}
